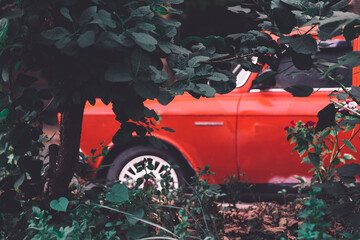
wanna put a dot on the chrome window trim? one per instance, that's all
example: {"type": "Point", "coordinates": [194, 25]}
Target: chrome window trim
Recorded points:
{"type": "Point", "coordinates": [282, 90]}
{"type": "Point", "coordinates": [243, 76]}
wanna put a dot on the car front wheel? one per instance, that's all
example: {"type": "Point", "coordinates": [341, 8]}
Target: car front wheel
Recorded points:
{"type": "Point", "coordinates": [133, 163]}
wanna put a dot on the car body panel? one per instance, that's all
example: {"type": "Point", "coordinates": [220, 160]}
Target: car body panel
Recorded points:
{"type": "Point", "coordinates": [242, 131]}
{"type": "Point", "coordinates": [262, 118]}
{"type": "Point", "coordinates": [239, 132]}
{"type": "Point", "coordinates": [210, 123]}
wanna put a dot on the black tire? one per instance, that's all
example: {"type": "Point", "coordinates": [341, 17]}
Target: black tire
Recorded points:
{"type": "Point", "coordinates": [140, 152]}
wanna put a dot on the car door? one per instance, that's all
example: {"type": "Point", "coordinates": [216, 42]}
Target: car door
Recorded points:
{"type": "Point", "coordinates": [263, 152]}
{"type": "Point", "coordinates": [204, 131]}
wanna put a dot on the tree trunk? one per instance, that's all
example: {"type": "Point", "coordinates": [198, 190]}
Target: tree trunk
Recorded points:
{"type": "Point", "coordinates": [64, 158]}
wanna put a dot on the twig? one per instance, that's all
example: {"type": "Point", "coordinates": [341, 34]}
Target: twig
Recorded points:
{"type": "Point", "coordinates": [230, 59]}
{"type": "Point", "coordinates": [312, 27]}
{"type": "Point", "coordinates": [351, 138]}
{"type": "Point", "coordinates": [344, 107]}
{"type": "Point", "coordinates": [48, 105]}
{"type": "Point", "coordinates": [338, 83]}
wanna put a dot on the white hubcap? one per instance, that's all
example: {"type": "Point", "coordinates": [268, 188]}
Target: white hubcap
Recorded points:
{"type": "Point", "coordinates": [129, 174]}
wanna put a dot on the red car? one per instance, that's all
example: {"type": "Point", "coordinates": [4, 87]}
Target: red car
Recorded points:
{"type": "Point", "coordinates": [242, 131]}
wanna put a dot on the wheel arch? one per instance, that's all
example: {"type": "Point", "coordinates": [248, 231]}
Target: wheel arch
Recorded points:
{"type": "Point", "coordinates": [137, 141]}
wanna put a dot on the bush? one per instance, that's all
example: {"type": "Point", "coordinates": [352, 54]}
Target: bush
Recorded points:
{"type": "Point", "coordinates": [116, 212]}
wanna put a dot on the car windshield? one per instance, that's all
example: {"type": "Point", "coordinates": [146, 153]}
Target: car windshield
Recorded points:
{"type": "Point", "coordinates": [289, 75]}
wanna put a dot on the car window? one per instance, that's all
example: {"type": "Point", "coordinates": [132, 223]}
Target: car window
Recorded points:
{"type": "Point", "coordinates": [312, 77]}
{"type": "Point", "coordinates": [241, 74]}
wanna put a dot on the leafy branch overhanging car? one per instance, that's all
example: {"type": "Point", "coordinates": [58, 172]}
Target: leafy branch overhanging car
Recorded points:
{"type": "Point", "coordinates": [242, 131]}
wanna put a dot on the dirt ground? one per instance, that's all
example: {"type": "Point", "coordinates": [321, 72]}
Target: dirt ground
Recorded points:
{"type": "Point", "coordinates": [261, 220]}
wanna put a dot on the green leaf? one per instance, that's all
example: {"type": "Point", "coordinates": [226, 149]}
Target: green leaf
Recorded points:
{"type": "Point", "coordinates": [331, 27]}
{"type": "Point", "coordinates": [17, 65]}
{"type": "Point", "coordinates": [165, 97]}
{"type": "Point", "coordinates": [65, 12]}
{"type": "Point", "coordinates": [117, 73]}
{"type": "Point", "coordinates": [342, 96]}
{"type": "Point", "coordinates": [179, 50]}
{"type": "Point", "coordinates": [340, 5]}
{"type": "Point", "coordinates": [166, 22]}
{"type": "Point", "coordinates": [147, 89]}
{"type": "Point", "coordinates": [216, 76]}
{"type": "Point", "coordinates": [206, 90]}
{"type": "Point", "coordinates": [161, 10]}
{"type": "Point", "coordinates": [195, 61]}
{"type": "Point", "coordinates": [55, 33]}
{"type": "Point", "coordinates": [140, 60]}
{"type": "Point", "coordinates": [111, 224]}
{"type": "Point", "coordinates": [137, 232]}
{"type": "Point", "coordinates": [19, 181]}
{"type": "Point", "coordinates": [145, 41]}
{"type": "Point", "coordinates": [266, 78]}
{"type": "Point", "coordinates": [21, 138]}
{"type": "Point", "coordinates": [87, 15]}
{"type": "Point", "coordinates": [168, 129]}
{"type": "Point", "coordinates": [12, 13]}
{"type": "Point", "coordinates": [302, 61]}
{"type": "Point", "coordinates": [118, 193]}
{"type": "Point", "coordinates": [3, 160]}
{"type": "Point", "coordinates": [5, 74]}
{"type": "Point", "coordinates": [4, 24]}
{"type": "Point", "coordinates": [171, 32]}
{"type": "Point", "coordinates": [139, 213]}
{"type": "Point", "coordinates": [122, 137]}
{"type": "Point", "coordinates": [299, 4]}
{"type": "Point", "coordinates": [355, 91]}
{"type": "Point", "coordinates": [121, 39]}
{"type": "Point", "coordinates": [351, 59]}
{"type": "Point", "coordinates": [3, 114]}
{"type": "Point", "coordinates": [148, 27]}
{"type": "Point", "coordinates": [62, 43]}
{"type": "Point", "coordinates": [349, 170]}
{"type": "Point", "coordinates": [59, 204]}
{"type": "Point", "coordinates": [140, 12]}
{"type": "Point", "coordinates": [326, 118]}
{"type": "Point", "coordinates": [86, 39]}
{"type": "Point", "coordinates": [239, 9]}
{"type": "Point", "coordinates": [176, 1]}
{"type": "Point", "coordinates": [349, 144]}
{"type": "Point", "coordinates": [106, 18]}
{"type": "Point", "coordinates": [352, 30]}
{"type": "Point", "coordinates": [304, 44]}
{"type": "Point", "coordinates": [300, 90]}
{"type": "Point", "coordinates": [285, 20]}
{"type": "Point", "coordinates": [158, 76]}
{"type": "Point", "coordinates": [314, 159]}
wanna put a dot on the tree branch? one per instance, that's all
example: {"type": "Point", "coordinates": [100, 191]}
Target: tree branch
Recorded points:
{"type": "Point", "coordinates": [232, 58]}
{"type": "Point", "coordinates": [338, 83]}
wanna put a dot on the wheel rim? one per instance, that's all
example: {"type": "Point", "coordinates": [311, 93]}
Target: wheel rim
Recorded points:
{"type": "Point", "coordinates": [128, 175]}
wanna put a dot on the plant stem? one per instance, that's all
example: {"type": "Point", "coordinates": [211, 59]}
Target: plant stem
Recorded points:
{"type": "Point", "coordinates": [338, 83]}
{"type": "Point", "coordinates": [344, 107]}
{"type": "Point", "coordinates": [232, 58]}
{"type": "Point", "coordinates": [181, 208]}
{"type": "Point", "coordinates": [333, 151]}
{"type": "Point", "coordinates": [351, 138]}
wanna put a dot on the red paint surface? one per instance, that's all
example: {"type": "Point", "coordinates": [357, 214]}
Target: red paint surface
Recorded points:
{"type": "Point", "coordinates": [251, 139]}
